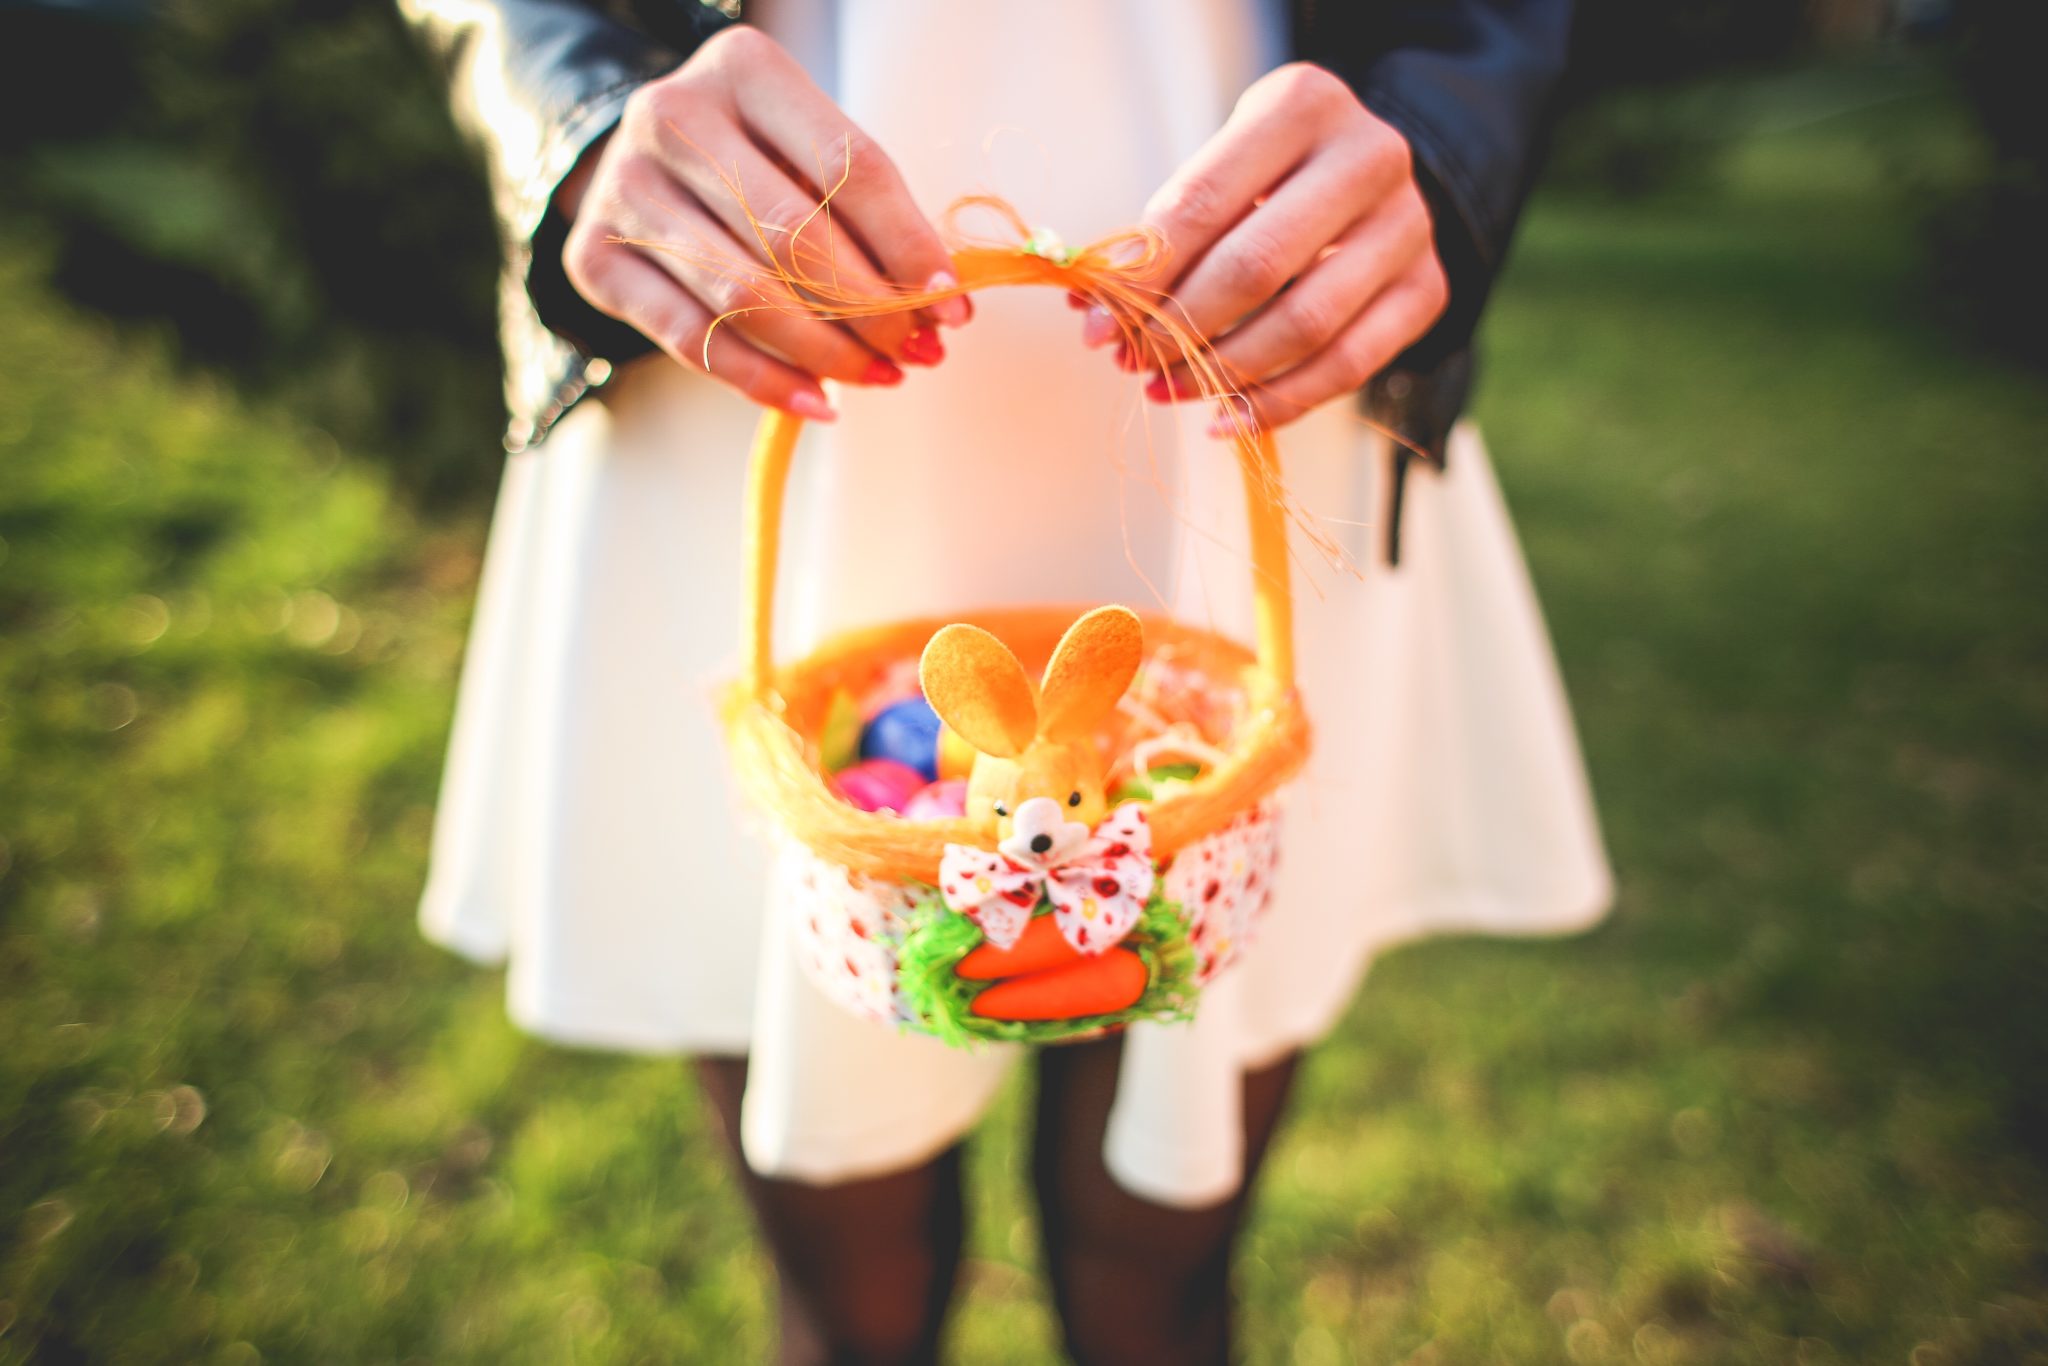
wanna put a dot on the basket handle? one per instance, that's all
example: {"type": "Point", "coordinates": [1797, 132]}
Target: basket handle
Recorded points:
{"type": "Point", "coordinates": [768, 480]}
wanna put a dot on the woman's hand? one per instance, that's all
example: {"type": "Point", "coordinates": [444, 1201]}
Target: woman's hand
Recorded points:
{"type": "Point", "coordinates": [1300, 243]}
{"type": "Point", "coordinates": [742, 110]}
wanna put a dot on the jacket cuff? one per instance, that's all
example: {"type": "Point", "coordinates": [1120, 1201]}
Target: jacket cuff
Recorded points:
{"type": "Point", "coordinates": [1467, 271]}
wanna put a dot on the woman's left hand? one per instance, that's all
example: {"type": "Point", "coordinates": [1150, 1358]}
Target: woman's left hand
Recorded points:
{"type": "Point", "coordinates": [1300, 244]}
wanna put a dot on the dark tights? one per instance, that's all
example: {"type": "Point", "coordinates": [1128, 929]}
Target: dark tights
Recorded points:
{"type": "Point", "coordinates": [865, 1269]}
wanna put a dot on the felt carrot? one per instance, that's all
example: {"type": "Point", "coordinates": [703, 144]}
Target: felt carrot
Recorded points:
{"type": "Point", "coordinates": [1093, 986]}
{"type": "Point", "coordinates": [1040, 946]}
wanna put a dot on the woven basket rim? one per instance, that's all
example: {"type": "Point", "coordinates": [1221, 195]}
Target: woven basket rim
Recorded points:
{"type": "Point", "coordinates": [1266, 750]}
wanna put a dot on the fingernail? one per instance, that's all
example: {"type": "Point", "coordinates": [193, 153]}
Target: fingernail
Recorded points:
{"type": "Point", "coordinates": [923, 347]}
{"type": "Point", "coordinates": [1232, 416]}
{"type": "Point", "coordinates": [812, 406]}
{"type": "Point", "coordinates": [1099, 328]}
{"type": "Point", "coordinates": [1127, 358]}
{"type": "Point", "coordinates": [1076, 299]}
{"type": "Point", "coordinates": [1158, 390]}
{"type": "Point", "coordinates": [953, 311]}
{"type": "Point", "coordinates": [882, 370]}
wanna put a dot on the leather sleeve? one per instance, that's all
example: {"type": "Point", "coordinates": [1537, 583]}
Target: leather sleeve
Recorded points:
{"type": "Point", "coordinates": [534, 83]}
{"type": "Point", "coordinates": [1467, 83]}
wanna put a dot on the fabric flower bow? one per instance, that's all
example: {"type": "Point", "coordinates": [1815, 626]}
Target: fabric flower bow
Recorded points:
{"type": "Point", "coordinates": [1098, 890]}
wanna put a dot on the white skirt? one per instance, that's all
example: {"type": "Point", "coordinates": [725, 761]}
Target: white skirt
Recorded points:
{"type": "Point", "coordinates": [587, 834]}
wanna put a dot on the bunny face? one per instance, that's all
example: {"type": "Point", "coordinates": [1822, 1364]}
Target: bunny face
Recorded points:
{"type": "Point", "coordinates": [1038, 775]}
{"type": "Point", "coordinates": [1067, 776]}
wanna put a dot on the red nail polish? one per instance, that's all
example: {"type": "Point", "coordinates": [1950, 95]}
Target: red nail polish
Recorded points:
{"type": "Point", "coordinates": [1158, 391]}
{"type": "Point", "coordinates": [923, 347]}
{"type": "Point", "coordinates": [1075, 299]}
{"type": "Point", "coordinates": [882, 370]}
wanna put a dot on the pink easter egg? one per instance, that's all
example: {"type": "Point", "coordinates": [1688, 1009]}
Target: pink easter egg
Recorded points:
{"type": "Point", "coordinates": [938, 801]}
{"type": "Point", "coordinates": [878, 784]}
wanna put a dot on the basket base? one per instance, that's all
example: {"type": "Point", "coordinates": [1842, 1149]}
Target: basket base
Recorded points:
{"type": "Point", "coordinates": [854, 935]}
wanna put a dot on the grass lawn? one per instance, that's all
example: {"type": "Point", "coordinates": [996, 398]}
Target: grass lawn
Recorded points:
{"type": "Point", "coordinates": [1785, 1106]}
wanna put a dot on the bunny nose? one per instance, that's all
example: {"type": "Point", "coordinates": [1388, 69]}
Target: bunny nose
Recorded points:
{"type": "Point", "coordinates": [1040, 831]}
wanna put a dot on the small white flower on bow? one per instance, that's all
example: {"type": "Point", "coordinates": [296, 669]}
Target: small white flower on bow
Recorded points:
{"type": "Point", "coordinates": [1098, 883]}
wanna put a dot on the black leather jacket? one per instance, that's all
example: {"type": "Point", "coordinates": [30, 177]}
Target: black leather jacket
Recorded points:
{"type": "Point", "coordinates": [537, 81]}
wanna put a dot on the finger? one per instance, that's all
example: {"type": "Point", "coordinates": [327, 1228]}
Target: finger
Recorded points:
{"type": "Point", "coordinates": [1254, 150]}
{"type": "Point", "coordinates": [796, 121]}
{"type": "Point", "coordinates": [869, 195]}
{"type": "Point", "coordinates": [618, 280]}
{"type": "Point", "coordinates": [655, 209]}
{"type": "Point", "coordinates": [1387, 327]}
{"type": "Point", "coordinates": [1281, 238]}
{"type": "Point", "coordinates": [1310, 313]}
{"type": "Point", "coordinates": [783, 220]}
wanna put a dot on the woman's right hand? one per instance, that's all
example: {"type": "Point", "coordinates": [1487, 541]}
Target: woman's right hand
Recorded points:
{"type": "Point", "coordinates": [742, 110]}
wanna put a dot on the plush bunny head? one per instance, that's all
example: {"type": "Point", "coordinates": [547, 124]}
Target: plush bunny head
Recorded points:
{"type": "Point", "coordinates": [1038, 777]}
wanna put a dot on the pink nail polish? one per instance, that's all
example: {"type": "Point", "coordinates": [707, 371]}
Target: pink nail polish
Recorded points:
{"type": "Point", "coordinates": [1099, 328]}
{"type": "Point", "coordinates": [923, 347]}
{"type": "Point", "coordinates": [950, 312]}
{"type": "Point", "coordinates": [812, 406]}
{"type": "Point", "coordinates": [882, 370]}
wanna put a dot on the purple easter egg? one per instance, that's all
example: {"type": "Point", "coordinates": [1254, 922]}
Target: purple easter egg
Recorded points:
{"type": "Point", "coordinates": [878, 784]}
{"type": "Point", "coordinates": [938, 801]}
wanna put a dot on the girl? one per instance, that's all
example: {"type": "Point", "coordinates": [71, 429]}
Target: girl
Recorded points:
{"type": "Point", "coordinates": [1332, 226]}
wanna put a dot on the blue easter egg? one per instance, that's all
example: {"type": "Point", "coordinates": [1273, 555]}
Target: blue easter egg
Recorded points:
{"type": "Point", "coordinates": [907, 732]}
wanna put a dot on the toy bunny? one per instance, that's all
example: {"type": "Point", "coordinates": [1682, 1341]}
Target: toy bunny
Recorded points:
{"type": "Point", "coordinates": [1037, 788]}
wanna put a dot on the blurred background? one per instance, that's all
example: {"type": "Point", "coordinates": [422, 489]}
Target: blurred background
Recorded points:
{"type": "Point", "coordinates": [1765, 382]}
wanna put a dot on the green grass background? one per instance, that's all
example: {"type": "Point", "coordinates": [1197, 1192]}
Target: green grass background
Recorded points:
{"type": "Point", "coordinates": [1787, 1106]}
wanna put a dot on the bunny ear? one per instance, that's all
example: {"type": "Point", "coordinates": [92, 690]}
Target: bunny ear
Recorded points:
{"type": "Point", "coordinates": [1092, 665]}
{"type": "Point", "coordinates": [979, 689]}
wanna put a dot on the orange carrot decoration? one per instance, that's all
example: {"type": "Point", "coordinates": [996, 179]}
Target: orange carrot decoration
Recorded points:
{"type": "Point", "coordinates": [1040, 946]}
{"type": "Point", "coordinates": [1096, 986]}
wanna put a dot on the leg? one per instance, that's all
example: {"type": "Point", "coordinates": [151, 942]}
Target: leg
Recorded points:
{"type": "Point", "coordinates": [864, 1269]}
{"type": "Point", "coordinates": [1135, 1282]}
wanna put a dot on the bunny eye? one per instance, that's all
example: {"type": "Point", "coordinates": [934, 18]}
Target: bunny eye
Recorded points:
{"type": "Point", "coordinates": [1074, 799]}
{"type": "Point", "coordinates": [1001, 810]}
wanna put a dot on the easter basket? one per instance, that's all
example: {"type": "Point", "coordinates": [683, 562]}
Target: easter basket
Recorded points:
{"type": "Point", "coordinates": [1117, 838]}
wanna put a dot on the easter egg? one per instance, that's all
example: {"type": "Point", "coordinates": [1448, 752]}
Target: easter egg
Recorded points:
{"type": "Point", "coordinates": [938, 801]}
{"type": "Point", "coordinates": [907, 732]}
{"type": "Point", "coordinates": [839, 737]}
{"type": "Point", "coordinates": [878, 784]}
{"type": "Point", "coordinates": [956, 756]}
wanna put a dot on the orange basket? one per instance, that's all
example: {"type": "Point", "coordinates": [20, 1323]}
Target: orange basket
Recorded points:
{"type": "Point", "coordinates": [878, 929]}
